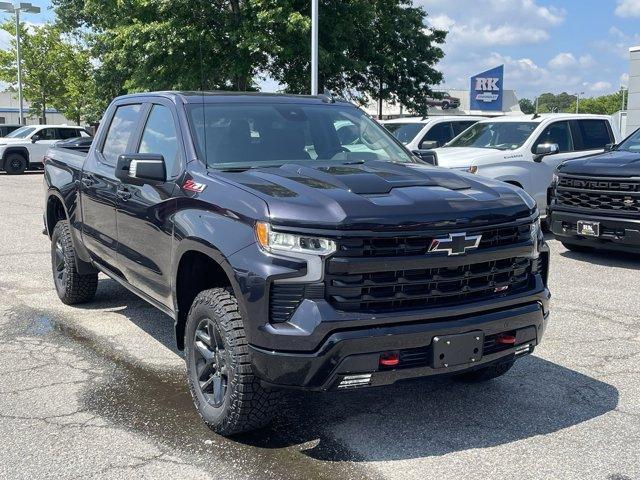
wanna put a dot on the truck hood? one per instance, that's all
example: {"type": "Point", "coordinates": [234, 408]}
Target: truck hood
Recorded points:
{"type": "Point", "coordinates": [464, 157]}
{"type": "Point", "coordinates": [12, 141]}
{"type": "Point", "coordinates": [610, 164]}
{"type": "Point", "coordinates": [379, 196]}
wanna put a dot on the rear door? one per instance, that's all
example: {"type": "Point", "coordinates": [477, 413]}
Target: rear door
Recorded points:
{"type": "Point", "coordinates": [100, 187]}
{"type": "Point", "coordinates": [590, 136]}
{"type": "Point", "coordinates": [145, 229]}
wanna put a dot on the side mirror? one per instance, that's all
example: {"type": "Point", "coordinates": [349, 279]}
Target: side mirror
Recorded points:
{"type": "Point", "coordinates": [141, 168]}
{"type": "Point", "coordinates": [35, 138]}
{"type": "Point", "coordinates": [428, 144]}
{"type": "Point", "coordinates": [427, 156]}
{"type": "Point", "coordinates": [545, 149]}
{"type": "Point", "coordinates": [609, 146]}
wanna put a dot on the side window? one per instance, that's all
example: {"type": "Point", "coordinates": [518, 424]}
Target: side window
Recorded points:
{"type": "Point", "coordinates": [66, 133]}
{"type": "Point", "coordinates": [557, 132]}
{"type": "Point", "coordinates": [47, 134]}
{"type": "Point", "coordinates": [160, 137]}
{"type": "Point", "coordinates": [120, 131]}
{"type": "Point", "coordinates": [459, 127]}
{"type": "Point", "coordinates": [595, 134]}
{"type": "Point", "coordinates": [440, 132]}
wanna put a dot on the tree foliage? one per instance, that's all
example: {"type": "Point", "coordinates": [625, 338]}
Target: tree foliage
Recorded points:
{"type": "Point", "coordinates": [527, 106]}
{"type": "Point", "coordinates": [561, 102]}
{"type": "Point", "coordinates": [605, 104]}
{"type": "Point", "coordinates": [367, 47]}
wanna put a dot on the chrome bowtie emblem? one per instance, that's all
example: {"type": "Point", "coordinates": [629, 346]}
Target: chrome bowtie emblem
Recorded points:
{"type": "Point", "coordinates": [455, 243]}
{"type": "Point", "coordinates": [628, 202]}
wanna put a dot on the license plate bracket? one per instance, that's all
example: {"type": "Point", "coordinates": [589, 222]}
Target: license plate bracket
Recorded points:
{"type": "Point", "coordinates": [588, 228]}
{"type": "Point", "coordinates": [458, 349]}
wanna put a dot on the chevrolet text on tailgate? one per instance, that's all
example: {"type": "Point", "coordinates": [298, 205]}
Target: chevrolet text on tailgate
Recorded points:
{"type": "Point", "coordinates": [291, 256]}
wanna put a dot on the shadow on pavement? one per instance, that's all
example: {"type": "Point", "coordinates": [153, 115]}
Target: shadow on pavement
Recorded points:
{"type": "Point", "coordinates": [414, 419]}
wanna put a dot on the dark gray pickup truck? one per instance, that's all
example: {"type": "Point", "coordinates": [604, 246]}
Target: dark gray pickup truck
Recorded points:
{"type": "Point", "coordinates": [292, 256]}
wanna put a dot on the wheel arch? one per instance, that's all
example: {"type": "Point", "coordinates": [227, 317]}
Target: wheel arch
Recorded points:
{"type": "Point", "coordinates": [198, 266]}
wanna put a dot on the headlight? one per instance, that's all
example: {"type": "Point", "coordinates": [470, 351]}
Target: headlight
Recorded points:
{"type": "Point", "coordinates": [274, 241]}
{"type": "Point", "coordinates": [536, 233]}
{"type": "Point", "coordinates": [472, 169]}
{"type": "Point", "coordinates": [554, 179]}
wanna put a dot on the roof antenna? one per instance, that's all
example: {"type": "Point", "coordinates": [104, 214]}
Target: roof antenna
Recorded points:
{"type": "Point", "coordinates": [535, 115]}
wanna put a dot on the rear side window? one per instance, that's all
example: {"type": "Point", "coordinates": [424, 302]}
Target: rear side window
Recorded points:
{"type": "Point", "coordinates": [160, 137]}
{"type": "Point", "coordinates": [594, 134]}
{"type": "Point", "coordinates": [440, 132]}
{"type": "Point", "coordinates": [557, 132]}
{"type": "Point", "coordinates": [120, 131]}
{"type": "Point", "coordinates": [66, 133]}
{"type": "Point", "coordinates": [459, 127]}
{"type": "Point", "coordinates": [48, 134]}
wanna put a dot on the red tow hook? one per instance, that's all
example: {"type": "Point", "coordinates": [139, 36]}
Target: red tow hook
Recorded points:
{"type": "Point", "coordinates": [389, 359]}
{"type": "Point", "coordinates": [505, 339]}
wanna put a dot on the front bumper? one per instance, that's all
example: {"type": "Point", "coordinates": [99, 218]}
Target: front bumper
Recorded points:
{"type": "Point", "coordinates": [621, 234]}
{"type": "Point", "coordinates": [356, 353]}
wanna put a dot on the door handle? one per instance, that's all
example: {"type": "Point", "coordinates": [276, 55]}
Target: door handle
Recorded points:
{"type": "Point", "coordinates": [123, 194]}
{"type": "Point", "coordinates": [88, 181]}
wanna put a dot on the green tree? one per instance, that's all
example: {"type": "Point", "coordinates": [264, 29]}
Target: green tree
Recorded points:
{"type": "Point", "coordinates": [374, 48]}
{"type": "Point", "coordinates": [527, 106]}
{"type": "Point", "coordinates": [561, 102]}
{"type": "Point", "coordinates": [42, 65]}
{"type": "Point", "coordinates": [604, 104]}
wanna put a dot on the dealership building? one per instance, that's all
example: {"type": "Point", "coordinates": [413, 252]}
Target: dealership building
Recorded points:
{"type": "Point", "coordinates": [633, 102]}
{"type": "Point", "coordinates": [10, 112]}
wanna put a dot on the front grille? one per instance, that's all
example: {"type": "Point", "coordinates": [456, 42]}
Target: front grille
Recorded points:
{"type": "Point", "coordinates": [598, 194]}
{"type": "Point", "coordinates": [431, 287]}
{"type": "Point", "coordinates": [418, 245]}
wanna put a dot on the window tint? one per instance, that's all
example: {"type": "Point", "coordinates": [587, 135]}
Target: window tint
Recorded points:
{"type": "Point", "coordinates": [405, 132]}
{"type": "Point", "coordinates": [120, 131]}
{"type": "Point", "coordinates": [557, 132]}
{"type": "Point", "coordinates": [459, 127]}
{"type": "Point", "coordinates": [160, 137]}
{"type": "Point", "coordinates": [440, 132]}
{"type": "Point", "coordinates": [47, 134]}
{"type": "Point", "coordinates": [594, 133]}
{"type": "Point", "coordinates": [499, 135]}
{"type": "Point", "coordinates": [66, 133]}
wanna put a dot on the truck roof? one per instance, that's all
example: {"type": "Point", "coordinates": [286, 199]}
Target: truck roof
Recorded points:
{"type": "Point", "coordinates": [240, 97]}
{"type": "Point", "coordinates": [438, 118]}
{"type": "Point", "coordinates": [545, 116]}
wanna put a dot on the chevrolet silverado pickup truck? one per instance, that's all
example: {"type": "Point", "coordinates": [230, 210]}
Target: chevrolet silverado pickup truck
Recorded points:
{"type": "Point", "coordinates": [290, 260]}
{"type": "Point", "coordinates": [595, 201]}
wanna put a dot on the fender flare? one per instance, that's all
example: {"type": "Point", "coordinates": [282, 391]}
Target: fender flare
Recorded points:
{"type": "Point", "coordinates": [24, 151]}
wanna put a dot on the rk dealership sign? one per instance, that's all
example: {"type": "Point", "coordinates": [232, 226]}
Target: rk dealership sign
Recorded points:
{"type": "Point", "coordinates": [486, 90]}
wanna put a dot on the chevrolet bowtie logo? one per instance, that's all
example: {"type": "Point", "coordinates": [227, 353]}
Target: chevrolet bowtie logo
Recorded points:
{"type": "Point", "coordinates": [455, 244]}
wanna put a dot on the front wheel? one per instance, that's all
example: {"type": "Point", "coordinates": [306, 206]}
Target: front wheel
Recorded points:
{"type": "Point", "coordinates": [15, 164]}
{"type": "Point", "coordinates": [71, 286]}
{"type": "Point", "coordinates": [227, 395]}
{"type": "Point", "coordinates": [486, 373]}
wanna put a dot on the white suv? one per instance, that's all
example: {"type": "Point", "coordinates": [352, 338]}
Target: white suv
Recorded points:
{"type": "Point", "coordinates": [26, 146]}
{"type": "Point", "coordinates": [421, 134]}
{"type": "Point", "coordinates": [525, 150]}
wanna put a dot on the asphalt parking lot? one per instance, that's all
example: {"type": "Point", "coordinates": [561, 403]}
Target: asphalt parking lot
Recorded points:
{"type": "Point", "coordinates": [98, 391]}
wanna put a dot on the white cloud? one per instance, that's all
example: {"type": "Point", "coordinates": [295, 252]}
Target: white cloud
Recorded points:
{"type": "Point", "coordinates": [599, 87]}
{"type": "Point", "coordinates": [624, 79]}
{"type": "Point", "coordinates": [628, 8]}
{"type": "Point", "coordinates": [563, 60]}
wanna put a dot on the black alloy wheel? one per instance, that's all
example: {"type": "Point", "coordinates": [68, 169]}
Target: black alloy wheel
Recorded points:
{"type": "Point", "coordinates": [212, 362]}
{"type": "Point", "coordinates": [59, 265]}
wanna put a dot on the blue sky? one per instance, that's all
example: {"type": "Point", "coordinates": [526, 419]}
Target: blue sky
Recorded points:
{"type": "Point", "coordinates": [545, 45]}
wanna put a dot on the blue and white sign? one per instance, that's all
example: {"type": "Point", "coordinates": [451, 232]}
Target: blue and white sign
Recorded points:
{"type": "Point", "coordinates": [486, 90]}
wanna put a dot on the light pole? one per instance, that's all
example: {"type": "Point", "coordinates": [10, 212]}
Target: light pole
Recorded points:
{"type": "Point", "coordinates": [314, 47]}
{"type": "Point", "coordinates": [16, 9]}
{"type": "Point", "coordinates": [577, 94]}
{"type": "Point", "coordinates": [623, 89]}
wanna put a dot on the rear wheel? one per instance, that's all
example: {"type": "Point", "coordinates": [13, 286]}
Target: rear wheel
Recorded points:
{"type": "Point", "coordinates": [226, 393]}
{"type": "Point", "coordinates": [71, 286]}
{"type": "Point", "coordinates": [577, 248]}
{"type": "Point", "coordinates": [15, 164]}
{"type": "Point", "coordinates": [486, 373]}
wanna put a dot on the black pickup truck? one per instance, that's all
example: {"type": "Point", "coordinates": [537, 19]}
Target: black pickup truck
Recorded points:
{"type": "Point", "coordinates": [289, 258]}
{"type": "Point", "coordinates": [595, 201]}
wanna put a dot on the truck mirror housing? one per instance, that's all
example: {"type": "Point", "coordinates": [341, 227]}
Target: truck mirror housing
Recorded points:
{"type": "Point", "coordinates": [545, 149]}
{"type": "Point", "coordinates": [609, 146]}
{"type": "Point", "coordinates": [141, 168]}
{"type": "Point", "coordinates": [428, 144]}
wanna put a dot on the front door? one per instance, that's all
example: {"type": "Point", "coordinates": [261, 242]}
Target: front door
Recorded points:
{"type": "Point", "coordinates": [144, 213]}
{"type": "Point", "coordinates": [42, 140]}
{"type": "Point", "coordinates": [100, 188]}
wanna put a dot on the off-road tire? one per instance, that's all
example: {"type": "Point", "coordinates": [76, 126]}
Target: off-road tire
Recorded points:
{"type": "Point", "coordinates": [71, 286]}
{"type": "Point", "coordinates": [577, 248]}
{"type": "Point", "coordinates": [486, 373]}
{"type": "Point", "coordinates": [246, 404]}
{"type": "Point", "coordinates": [15, 164]}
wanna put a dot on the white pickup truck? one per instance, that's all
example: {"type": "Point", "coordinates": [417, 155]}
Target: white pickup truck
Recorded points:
{"type": "Point", "coordinates": [525, 150]}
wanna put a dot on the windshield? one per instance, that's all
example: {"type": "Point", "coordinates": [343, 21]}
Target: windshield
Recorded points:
{"type": "Point", "coordinates": [405, 132]}
{"type": "Point", "coordinates": [250, 135]}
{"type": "Point", "coordinates": [22, 132]}
{"type": "Point", "coordinates": [499, 135]}
{"type": "Point", "coordinates": [631, 144]}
